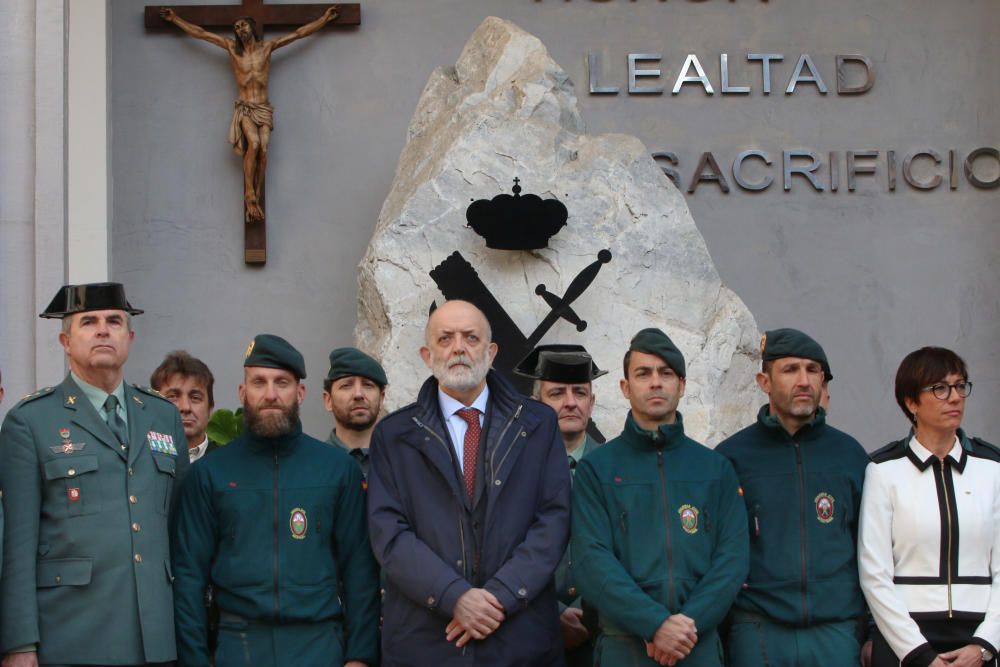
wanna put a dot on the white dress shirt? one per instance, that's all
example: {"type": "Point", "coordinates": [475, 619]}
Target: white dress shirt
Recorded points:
{"type": "Point", "coordinates": [197, 452]}
{"type": "Point", "coordinates": [458, 426]}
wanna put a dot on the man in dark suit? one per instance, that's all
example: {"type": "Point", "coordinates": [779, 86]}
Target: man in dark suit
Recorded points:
{"type": "Point", "coordinates": [468, 509]}
{"type": "Point", "coordinates": [188, 383]}
{"type": "Point", "coordinates": [89, 471]}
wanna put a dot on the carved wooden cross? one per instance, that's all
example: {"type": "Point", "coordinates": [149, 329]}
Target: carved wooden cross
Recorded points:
{"type": "Point", "coordinates": [266, 17]}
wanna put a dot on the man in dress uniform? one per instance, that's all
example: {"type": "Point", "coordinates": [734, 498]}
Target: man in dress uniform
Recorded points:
{"type": "Point", "coordinates": [274, 521]}
{"type": "Point", "coordinates": [188, 383]}
{"type": "Point", "coordinates": [801, 605]}
{"type": "Point", "coordinates": [89, 471]}
{"type": "Point", "coordinates": [659, 529]}
{"type": "Point", "coordinates": [563, 376]}
{"type": "Point", "coordinates": [353, 391]}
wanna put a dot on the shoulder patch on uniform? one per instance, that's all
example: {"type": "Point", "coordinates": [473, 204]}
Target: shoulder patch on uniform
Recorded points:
{"type": "Point", "coordinates": [984, 449]}
{"type": "Point", "coordinates": [893, 450]}
{"type": "Point", "coordinates": [44, 391]}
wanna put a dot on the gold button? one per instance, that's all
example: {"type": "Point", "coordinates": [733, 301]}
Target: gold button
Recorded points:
{"type": "Point", "coordinates": [572, 591]}
{"type": "Point", "coordinates": [58, 579]}
{"type": "Point", "coordinates": [133, 499]}
{"type": "Point", "coordinates": [71, 472]}
{"type": "Point", "coordinates": [135, 527]}
{"type": "Point", "coordinates": [138, 558]}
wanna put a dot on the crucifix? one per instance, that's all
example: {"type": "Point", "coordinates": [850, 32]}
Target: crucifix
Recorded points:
{"type": "Point", "coordinates": [250, 57]}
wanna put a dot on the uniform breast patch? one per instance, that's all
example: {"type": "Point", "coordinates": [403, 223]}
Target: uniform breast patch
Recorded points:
{"type": "Point", "coordinates": [824, 507]}
{"type": "Point", "coordinates": [689, 518]}
{"type": "Point", "coordinates": [298, 523]}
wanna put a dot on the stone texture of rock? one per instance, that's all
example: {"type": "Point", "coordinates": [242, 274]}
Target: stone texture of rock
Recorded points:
{"type": "Point", "coordinates": [507, 109]}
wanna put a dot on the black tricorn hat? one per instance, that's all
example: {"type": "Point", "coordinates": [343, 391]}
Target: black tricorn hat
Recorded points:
{"type": "Point", "coordinates": [72, 299]}
{"type": "Point", "coordinates": [513, 222]}
{"type": "Point", "coordinates": [571, 364]}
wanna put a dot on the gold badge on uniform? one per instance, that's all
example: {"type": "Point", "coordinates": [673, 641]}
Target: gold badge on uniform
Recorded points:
{"type": "Point", "coordinates": [824, 507]}
{"type": "Point", "coordinates": [249, 349]}
{"type": "Point", "coordinates": [689, 518]}
{"type": "Point", "coordinates": [298, 523]}
{"type": "Point", "coordinates": [763, 343]}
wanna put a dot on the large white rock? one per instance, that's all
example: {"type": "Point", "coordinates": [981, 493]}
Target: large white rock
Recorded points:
{"type": "Point", "coordinates": [507, 109]}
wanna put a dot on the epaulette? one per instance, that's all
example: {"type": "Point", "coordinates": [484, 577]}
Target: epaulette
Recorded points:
{"type": "Point", "coordinates": [149, 391]}
{"type": "Point", "coordinates": [44, 391]}
{"type": "Point", "coordinates": [992, 451]}
{"type": "Point", "coordinates": [893, 450]}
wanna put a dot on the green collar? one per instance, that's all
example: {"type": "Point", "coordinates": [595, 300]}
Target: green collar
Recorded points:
{"type": "Point", "coordinates": [97, 396]}
{"type": "Point", "coordinates": [664, 437]}
{"type": "Point", "coordinates": [772, 423]}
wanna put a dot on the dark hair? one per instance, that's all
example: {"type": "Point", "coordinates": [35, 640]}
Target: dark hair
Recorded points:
{"type": "Point", "coordinates": [327, 383]}
{"type": "Point", "coordinates": [628, 358]}
{"type": "Point", "coordinates": [253, 27]}
{"type": "Point", "coordinates": [922, 368]}
{"type": "Point", "coordinates": [180, 362]}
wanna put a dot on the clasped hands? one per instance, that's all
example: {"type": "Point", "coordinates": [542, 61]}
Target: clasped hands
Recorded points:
{"type": "Point", "coordinates": [478, 613]}
{"type": "Point", "coordinates": [673, 640]}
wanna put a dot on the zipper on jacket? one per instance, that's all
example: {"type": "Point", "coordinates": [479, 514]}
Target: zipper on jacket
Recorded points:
{"type": "Point", "coordinates": [947, 507]}
{"type": "Point", "coordinates": [666, 525]}
{"type": "Point", "coordinates": [493, 469]}
{"type": "Point", "coordinates": [802, 531]}
{"type": "Point", "coordinates": [277, 590]}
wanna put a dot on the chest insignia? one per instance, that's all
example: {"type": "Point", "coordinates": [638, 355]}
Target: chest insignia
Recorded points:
{"type": "Point", "coordinates": [64, 433]}
{"type": "Point", "coordinates": [162, 443]}
{"type": "Point", "coordinates": [689, 518]}
{"type": "Point", "coordinates": [298, 523]}
{"type": "Point", "coordinates": [73, 493]}
{"type": "Point", "coordinates": [824, 507]}
{"type": "Point", "coordinates": [67, 447]}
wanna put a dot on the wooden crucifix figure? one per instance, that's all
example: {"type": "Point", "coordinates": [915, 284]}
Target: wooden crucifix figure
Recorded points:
{"type": "Point", "coordinates": [250, 57]}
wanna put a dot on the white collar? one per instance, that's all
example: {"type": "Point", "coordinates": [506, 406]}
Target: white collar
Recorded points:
{"type": "Point", "coordinates": [450, 406]}
{"type": "Point", "coordinates": [199, 451]}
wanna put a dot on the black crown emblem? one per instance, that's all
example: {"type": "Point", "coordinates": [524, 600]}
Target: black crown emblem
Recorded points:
{"type": "Point", "coordinates": [513, 222]}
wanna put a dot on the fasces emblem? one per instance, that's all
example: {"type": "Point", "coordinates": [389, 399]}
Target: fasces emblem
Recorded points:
{"type": "Point", "coordinates": [298, 523]}
{"type": "Point", "coordinates": [689, 518]}
{"type": "Point", "coordinates": [824, 507]}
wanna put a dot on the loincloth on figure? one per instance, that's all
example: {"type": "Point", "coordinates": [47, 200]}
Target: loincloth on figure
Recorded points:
{"type": "Point", "coordinates": [260, 114]}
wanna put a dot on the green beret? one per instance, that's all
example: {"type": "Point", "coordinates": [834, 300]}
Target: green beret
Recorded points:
{"type": "Point", "coordinates": [779, 343]}
{"type": "Point", "coordinates": [269, 351]}
{"type": "Point", "coordinates": [348, 361]}
{"type": "Point", "coordinates": [654, 341]}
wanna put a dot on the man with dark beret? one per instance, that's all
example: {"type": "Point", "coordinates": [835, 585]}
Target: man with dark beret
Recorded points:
{"type": "Point", "coordinates": [272, 521]}
{"type": "Point", "coordinates": [801, 605]}
{"type": "Point", "coordinates": [563, 380]}
{"type": "Point", "coordinates": [89, 471]}
{"type": "Point", "coordinates": [659, 529]}
{"type": "Point", "coordinates": [353, 391]}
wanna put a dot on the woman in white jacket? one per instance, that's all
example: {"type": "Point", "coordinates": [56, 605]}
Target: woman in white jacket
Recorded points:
{"type": "Point", "coordinates": [929, 540]}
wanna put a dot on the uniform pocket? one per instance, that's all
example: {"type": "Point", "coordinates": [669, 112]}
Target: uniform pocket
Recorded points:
{"type": "Point", "coordinates": [167, 467]}
{"type": "Point", "coordinates": [63, 572]}
{"type": "Point", "coordinates": [75, 479]}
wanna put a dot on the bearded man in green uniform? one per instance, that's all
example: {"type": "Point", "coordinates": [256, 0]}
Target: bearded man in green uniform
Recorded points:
{"type": "Point", "coordinates": [802, 479]}
{"type": "Point", "coordinates": [563, 380]}
{"type": "Point", "coordinates": [659, 529]}
{"type": "Point", "coordinates": [353, 391]}
{"type": "Point", "coordinates": [273, 521]}
{"type": "Point", "coordinates": [89, 471]}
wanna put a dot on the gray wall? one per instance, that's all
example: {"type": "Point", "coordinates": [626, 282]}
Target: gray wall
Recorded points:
{"type": "Point", "coordinates": [871, 274]}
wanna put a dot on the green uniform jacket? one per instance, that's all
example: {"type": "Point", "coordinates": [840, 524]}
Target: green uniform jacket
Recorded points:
{"type": "Point", "coordinates": [565, 581]}
{"type": "Point", "coordinates": [658, 529]}
{"type": "Point", "coordinates": [359, 455]}
{"type": "Point", "coordinates": [277, 527]}
{"type": "Point", "coordinates": [803, 495]}
{"type": "Point", "coordinates": [86, 553]}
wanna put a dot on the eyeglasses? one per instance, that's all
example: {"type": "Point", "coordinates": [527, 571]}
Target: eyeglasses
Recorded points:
{"type": "Point", "coordinates": [943, 391]}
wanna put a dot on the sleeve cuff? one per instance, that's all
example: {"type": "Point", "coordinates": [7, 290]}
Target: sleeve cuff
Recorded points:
{"type": "Point", "coordinates": [922, 656]}
{"type": "Point", "coordinates": [449, 597]}
{"type": "Point", "coordinates": [504, 595]}
{"type": "Point", "coordinates": [979, 641]}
